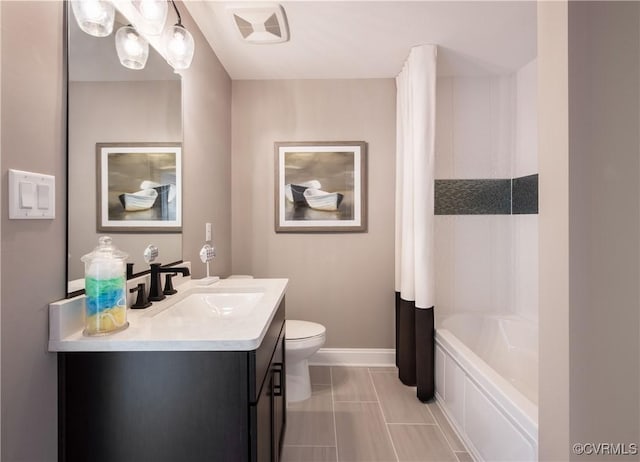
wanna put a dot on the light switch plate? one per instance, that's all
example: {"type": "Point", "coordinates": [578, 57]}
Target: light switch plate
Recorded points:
{"type": "Point", "coordinates": [207, 232]}
{"type": "Point", "coordinates": [40, 195]}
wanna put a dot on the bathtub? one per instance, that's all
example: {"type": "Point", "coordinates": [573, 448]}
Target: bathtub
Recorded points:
{"type": "Point", "coordinates": [487, 384]}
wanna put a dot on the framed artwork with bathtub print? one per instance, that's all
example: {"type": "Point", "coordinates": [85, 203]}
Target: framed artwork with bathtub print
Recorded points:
{"type": "Point", "coordinates": [139, 187]}
{"type": "Point", "coordinates": [320, 187]}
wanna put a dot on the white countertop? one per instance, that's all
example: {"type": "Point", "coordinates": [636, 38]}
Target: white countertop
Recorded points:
{"type": "Point", "coordinates": [150, 331]}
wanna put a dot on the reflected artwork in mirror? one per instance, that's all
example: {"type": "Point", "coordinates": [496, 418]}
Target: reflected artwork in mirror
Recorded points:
{"type": "Point", "coordinates": [108, 104]}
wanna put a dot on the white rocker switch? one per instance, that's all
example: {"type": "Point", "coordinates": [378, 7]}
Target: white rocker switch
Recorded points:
{"type": "Point", "coordinates": [27, 191]}
{"type": "Point", "coordinates": [43, 196]}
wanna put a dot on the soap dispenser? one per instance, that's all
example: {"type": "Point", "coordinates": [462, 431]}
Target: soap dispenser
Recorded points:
{"type": "Point", "coordinates": [105, 289]}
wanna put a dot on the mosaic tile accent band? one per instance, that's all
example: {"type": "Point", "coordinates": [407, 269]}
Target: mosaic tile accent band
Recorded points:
{"type": "Point", "coordinates": [473, 197]}
{"type": "Point", "coordinates": [524, 195]}
{"type": "Point", "coordinates": [487, 196]}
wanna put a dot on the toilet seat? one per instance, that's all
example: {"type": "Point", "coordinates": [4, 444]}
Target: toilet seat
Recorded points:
{"type": "Point", "coordinates": [296, 331]}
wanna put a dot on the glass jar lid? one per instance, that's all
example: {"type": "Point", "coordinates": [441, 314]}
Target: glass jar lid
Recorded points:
{"type": "Point", "coordinates": [105, 251]}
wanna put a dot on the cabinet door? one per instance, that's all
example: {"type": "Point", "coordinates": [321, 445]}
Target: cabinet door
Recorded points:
{"type": "Point", "coordinates": [160, 406]}
{"type": "Point", "coordinates": [263, 424]}
{"type": "Point", "coordinates": [269, 412]}
{"type": "Point", "coordinates": [278, 398]}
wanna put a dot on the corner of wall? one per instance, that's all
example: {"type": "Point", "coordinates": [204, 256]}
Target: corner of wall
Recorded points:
{"type": "Point", "coordinates": [553, 126]}
{"type": "Point", "coordinates": [207, 153]}
{"type": "Point", "coordinates": [1, 228]}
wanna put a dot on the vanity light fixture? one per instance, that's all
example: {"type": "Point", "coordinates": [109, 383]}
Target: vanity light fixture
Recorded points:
{"type": "Point", "coordinates": [95, 17]}
{"type": "Point", "coordinates": [153, 15]}
{"type": "Point", "coordinates": [132, 48]}
{"type": "Point", "coordinates": [178, 43]}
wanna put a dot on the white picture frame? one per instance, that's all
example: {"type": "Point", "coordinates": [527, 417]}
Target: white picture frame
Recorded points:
{"type": "Point", "coordinates": [139, 187]}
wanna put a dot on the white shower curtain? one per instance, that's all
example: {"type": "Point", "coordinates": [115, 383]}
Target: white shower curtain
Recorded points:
{"type": "Point", "coordinates": [415, 135]}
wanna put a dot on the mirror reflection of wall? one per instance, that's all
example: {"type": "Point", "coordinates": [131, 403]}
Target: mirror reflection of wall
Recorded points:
{"type": "Point", "coordinates": [109, 103]}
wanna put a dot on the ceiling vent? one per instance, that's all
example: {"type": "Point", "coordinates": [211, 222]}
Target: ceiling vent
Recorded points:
{"type": "Point", "coordinates": [261, 23]}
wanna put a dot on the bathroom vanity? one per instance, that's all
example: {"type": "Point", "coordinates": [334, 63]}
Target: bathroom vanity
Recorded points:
{"type": "Point", "coordinates": [197, 377]}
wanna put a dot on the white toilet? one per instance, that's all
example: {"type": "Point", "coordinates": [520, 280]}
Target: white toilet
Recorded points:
{"type": "Point", "coordinates": [302, 339]}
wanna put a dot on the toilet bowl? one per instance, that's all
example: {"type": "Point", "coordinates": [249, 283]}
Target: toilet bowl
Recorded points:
{"type": "Point", "coordinates": [302, 339]}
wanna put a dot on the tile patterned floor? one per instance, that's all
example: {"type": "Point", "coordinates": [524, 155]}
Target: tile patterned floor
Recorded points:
{"type": "Point", "coordinates": [360, 414]}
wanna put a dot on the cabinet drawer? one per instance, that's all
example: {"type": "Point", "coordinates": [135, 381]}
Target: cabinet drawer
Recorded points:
{"type": "Point", "coordinates": [259, 359]}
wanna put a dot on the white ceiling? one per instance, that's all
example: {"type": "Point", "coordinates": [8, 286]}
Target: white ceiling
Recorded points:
{"type": "Point", "coordinates": [371, 39]}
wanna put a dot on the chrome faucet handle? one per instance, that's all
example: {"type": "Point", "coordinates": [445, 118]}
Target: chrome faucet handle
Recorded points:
{"type": "Point", "coordinates": [150, 253]}
{"type": "Point", "coordinates": [207, 253]}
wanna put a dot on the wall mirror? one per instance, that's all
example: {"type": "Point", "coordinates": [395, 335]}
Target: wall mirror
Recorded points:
{"type": "Point", "coordinates": [109, 104]}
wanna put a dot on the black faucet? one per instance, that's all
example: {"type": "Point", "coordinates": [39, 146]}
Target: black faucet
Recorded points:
{"type": "Point", "coordinates": [155, 291]}
{"type": "Point", "coordinates": [129, 271]}
{"type": "Point", "coordinates": [141, 301]}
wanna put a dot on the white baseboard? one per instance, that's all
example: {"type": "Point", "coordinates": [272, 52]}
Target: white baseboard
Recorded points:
{"type": "Point", "coordinates": [370, 357]}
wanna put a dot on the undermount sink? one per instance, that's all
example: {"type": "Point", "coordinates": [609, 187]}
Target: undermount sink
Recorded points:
{"type": "Point", "coordinates": [207, 304]}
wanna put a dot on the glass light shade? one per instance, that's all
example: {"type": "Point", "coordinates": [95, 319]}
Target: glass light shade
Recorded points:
{"type": "Point", "coordinates": [153, 14]}
{"type": "Point", "coordinates": [132, 48]}
{"type": "Point", "coordinates": [179, 47]}
{"type": "Point", "coordinates": [95, 17]}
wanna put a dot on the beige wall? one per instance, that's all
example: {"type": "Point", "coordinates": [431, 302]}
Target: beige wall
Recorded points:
{"type": "Point", "coordinates": [553, 158]}
{"type": "Point", "coordinates": [604, 216]}
{"type": "Point", "coordinates": [344, 281]}
{"type": "Point", "coordinates": [206, 176]}
{"type": "Point", "coordinates": [116, 112]}
{"type": "Point", "coordinates": [33, 251]}
{"type": "Point", "coordinates": [589, 56]}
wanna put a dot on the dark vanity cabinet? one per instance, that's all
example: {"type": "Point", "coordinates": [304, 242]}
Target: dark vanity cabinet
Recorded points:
{"type": "Point", "coordinates": [270, 410]}
{"type": "Point", "coordinates": [178, 406]}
